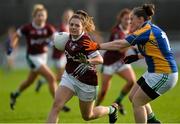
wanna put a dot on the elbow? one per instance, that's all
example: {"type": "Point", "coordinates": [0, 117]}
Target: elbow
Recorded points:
{"type": "Point", "coordinates": [101, 60]}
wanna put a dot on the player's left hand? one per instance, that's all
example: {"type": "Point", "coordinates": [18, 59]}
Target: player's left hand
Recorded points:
{"type": "Point", "coordinates": [90, 45]}
{"type": "Point", "coordinates": [82, 58]}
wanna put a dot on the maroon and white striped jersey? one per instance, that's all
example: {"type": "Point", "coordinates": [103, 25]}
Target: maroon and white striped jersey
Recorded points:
{"type": "Point", "coordinates": [83, 72]}
{"type": "Point", "coordinates": [37, 38]}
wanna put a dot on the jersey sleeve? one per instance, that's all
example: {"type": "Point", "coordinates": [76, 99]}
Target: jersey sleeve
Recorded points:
{"type": "Point", "coordinates": [114, 35]}
{"type": "Point", "coordinates": [140, 36]}
{"type": "Point", "coordinates": [52, 29]}
{"type": "Point", "coordinates": [23, 30]}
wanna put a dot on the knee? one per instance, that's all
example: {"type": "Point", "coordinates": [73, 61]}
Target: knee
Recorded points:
{"type": "Point", "coordinates": [57, 106]}
{"type": "Point", "coordinates": [131, 83]}
{"type": "Point", "coordinates": [130, 97]}
{"type": "Point", "coordinates": [51, 78]}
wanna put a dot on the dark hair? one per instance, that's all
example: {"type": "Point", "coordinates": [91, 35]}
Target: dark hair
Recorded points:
{"type": "Point", "coordinates": [121, 14]}
{"type": "Point", "coordinates": [146, 11]}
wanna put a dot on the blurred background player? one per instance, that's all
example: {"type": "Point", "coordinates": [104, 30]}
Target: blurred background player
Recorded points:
{"type": "Point", "coordinates": [58, 56]}
{"type": "Point", "coordinates": [38, 33]}
{"type": "Point", "coordinates": [80, 76]}
{"type": "Point", "coordinates": [113, 62]}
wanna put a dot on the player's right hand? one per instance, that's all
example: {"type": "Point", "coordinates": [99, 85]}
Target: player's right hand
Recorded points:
{"type": "Point", "coordinates": [9, 48]}
{"type": "Point", "coordinates": [131, 59]}
{"type": "Point", "coordinates": [90, 45]}
{"type": "Point", "coordinates": [9, 51]}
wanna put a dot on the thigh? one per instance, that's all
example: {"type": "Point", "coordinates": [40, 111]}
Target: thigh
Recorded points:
{"type": "Point", "coordinates": [63, 94]}
{"type": "Point", "coordinates": [133, 91]}
{"type": "Point", "coordinates": [106, 80]}
{"type": "Point", "coordinates": [140, 98]}
{"type": "Point", "coordinates": [45, 71]}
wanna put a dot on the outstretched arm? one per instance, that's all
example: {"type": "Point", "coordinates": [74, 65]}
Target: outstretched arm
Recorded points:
{"type": "Point", "coordinates": [114, 45]}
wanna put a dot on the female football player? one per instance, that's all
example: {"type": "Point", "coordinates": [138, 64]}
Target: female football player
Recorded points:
{"type": "Point", "coordinates": [37, 33]}
{"type": "Point", "coordinates": [113, 62]}
{"type": "Point", "coordinates": [58, 56]}
{"type": "Point", "coordinates": [153, 44]}
{"type": "Point", "coordinates": [80, 76]}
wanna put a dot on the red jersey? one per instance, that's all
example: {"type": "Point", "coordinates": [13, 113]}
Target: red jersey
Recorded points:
{"type": "Point", "coordinates": [72, 49]}
{"type": "Point", "coordinates": [37, 38]}
{"type": "Point", "coordinates": [56, 54]}
{"type": "Point", "coordinates": [111, 57]}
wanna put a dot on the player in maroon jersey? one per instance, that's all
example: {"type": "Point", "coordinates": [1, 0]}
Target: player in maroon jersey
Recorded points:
{"type": "Point", "coordinates": [58, 56]}
{"type": "Point", "coordinates": [37, 34]}
{"type": "Point", "coordinates": [80, 76]}
{"type": "Point", "coordinates": [113, 62]}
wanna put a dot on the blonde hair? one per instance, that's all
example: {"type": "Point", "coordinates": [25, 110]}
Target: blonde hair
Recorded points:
{"type": "Point", "coordinates": [37, 8]}
{"type": "Point", "coordinates": [86, 20]}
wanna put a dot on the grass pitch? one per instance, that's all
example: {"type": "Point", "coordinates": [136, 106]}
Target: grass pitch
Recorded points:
{"type": "Point", "coordinates": [34, 107]}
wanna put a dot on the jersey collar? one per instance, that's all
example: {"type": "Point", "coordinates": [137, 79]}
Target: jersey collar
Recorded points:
{"type": "Point", "coordinates": [36, 26]}
{"type": "Point", "coordinates": [75, 39]}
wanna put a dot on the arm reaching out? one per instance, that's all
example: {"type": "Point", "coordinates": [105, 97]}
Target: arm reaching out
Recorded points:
{"type": "Point", "coordinates": [114, 45]}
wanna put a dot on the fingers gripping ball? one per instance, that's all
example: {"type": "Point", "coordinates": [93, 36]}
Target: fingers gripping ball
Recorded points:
{"type": "Point", "coordinates": [60, 40]}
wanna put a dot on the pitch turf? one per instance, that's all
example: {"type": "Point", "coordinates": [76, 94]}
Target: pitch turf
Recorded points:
{"type": "Point", "coordinates": [33, 107]}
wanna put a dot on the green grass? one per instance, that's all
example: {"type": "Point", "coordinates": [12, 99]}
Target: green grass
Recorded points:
{"type": "Point", "coordinates": [33, 107]}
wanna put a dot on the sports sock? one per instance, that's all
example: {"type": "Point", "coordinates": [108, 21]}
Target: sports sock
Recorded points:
{"type": "Point", "coordinates": [151, 117]}
{"type": "Point", "coordinates": [111, 109]}
{"type": "Point", "coordinates": [16, 93]}
{"type": "Point", "coordinates": [120, 97]}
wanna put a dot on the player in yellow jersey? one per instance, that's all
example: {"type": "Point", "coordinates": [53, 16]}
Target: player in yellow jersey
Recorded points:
{"type": "Point", "coordinates": [153, 44]}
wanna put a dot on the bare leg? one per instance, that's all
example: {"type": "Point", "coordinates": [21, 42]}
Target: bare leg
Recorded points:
{"type": "Point", "coordinates": [105, 86]}
{"type": "Point", "coordinates": [63, 95]}
{"type": "Point", "coordinates": [129, 76]}
{"type": "Point", "coordinates": [90, 112]}
{"type": "Point", "coordinates": [59, 72]}
{"type": "Point", "coordinates": [31, 77]}
{"type": "Point", "coordinates": [49, 76]}
{"type": "Point", "coordinates": [139, 100]}
{"type": "Point", "coordinates": [25, 84]}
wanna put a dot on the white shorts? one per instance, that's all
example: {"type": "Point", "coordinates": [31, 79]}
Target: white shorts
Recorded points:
{"type": "Point", "coordinates": [158, 83]}
{"type": "Point", "coordinates": [60, 63]}
{"type": "Point", "coordinates": [114, 68]}
{"type": "Point", "coordinates": [35, 61]}
{"type": "Point", "coordinates": [83, 91]}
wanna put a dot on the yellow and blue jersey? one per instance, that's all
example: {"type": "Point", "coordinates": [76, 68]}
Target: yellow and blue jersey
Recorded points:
{"type": "Point", "coordinates": [154, 45]}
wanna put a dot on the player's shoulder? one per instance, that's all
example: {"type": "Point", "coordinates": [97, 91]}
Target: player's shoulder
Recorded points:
{"type": "Point", "coordinates": [50, 27]}
{"type": "Point", "coordinates": [85, 36]}
{"type": "Point", "coordinates": [115, 29]}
